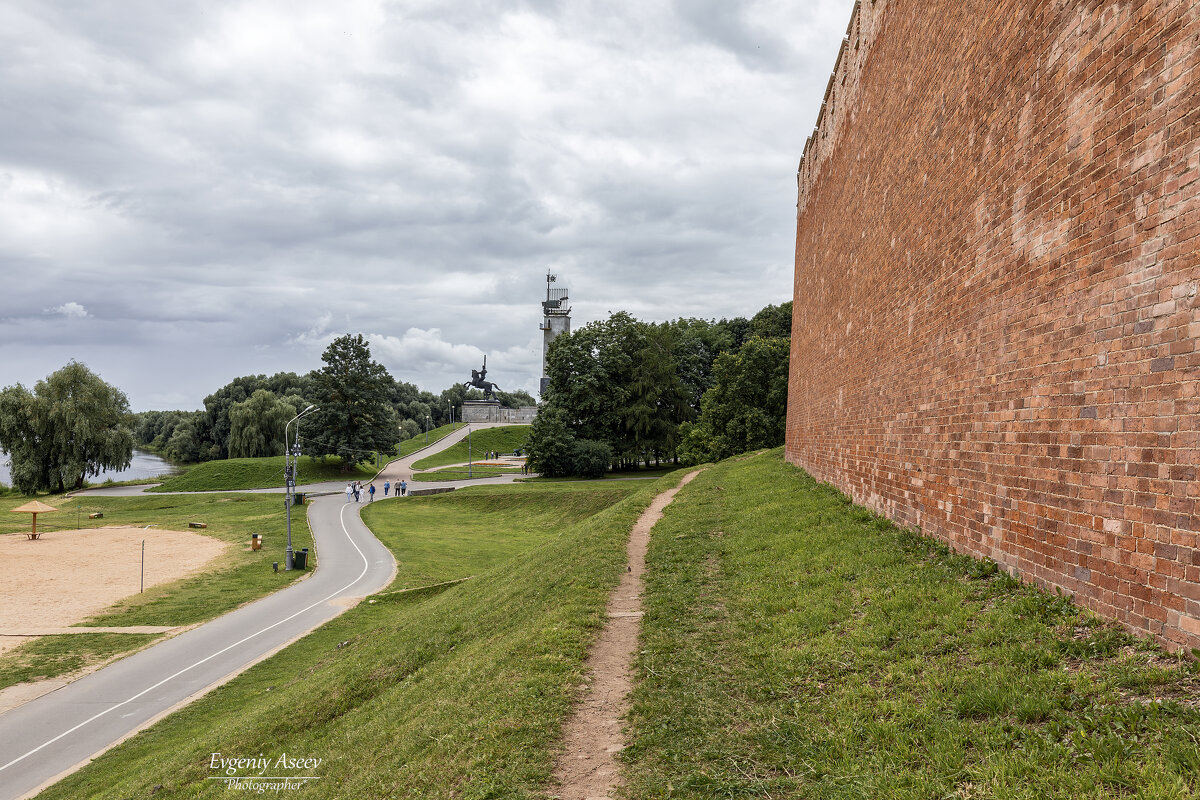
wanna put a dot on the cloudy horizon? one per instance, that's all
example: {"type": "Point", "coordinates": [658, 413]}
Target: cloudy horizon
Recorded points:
{"type": "Point", "coordinates": [190, 192]}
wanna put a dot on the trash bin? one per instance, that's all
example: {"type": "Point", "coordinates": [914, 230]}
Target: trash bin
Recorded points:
{"type": "Point", "coordinates": [300, 560]}
{"type": "Point", "coordinates": [299, 498]}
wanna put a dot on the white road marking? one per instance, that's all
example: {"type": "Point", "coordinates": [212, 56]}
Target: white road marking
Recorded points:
{"type": "Point", "coordinates": [366, 566]}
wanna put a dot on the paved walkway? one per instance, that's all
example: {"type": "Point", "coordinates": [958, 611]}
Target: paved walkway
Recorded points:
{"type": "Point", "coordinates": [53, 735]}
{"type": "Point", "coordinates": [399, 469]}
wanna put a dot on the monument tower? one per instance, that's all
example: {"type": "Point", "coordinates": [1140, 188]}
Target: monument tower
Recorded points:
{"type": "Point", "coordinates": [556, 319]}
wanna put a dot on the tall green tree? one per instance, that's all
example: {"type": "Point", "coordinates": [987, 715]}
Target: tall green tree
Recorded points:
{"type": "Point", "coordinates": [70, 427]}
{"type": "Point", "coordinates": [697, 343]}
{"type": "Point", "coordinates": [773, 322]}
{"type": "Point", "coordinates": [591, 373]}
{"type": "Point", "coordinates": [257, 425]}
{"type": "Point", "coordinates": [213, 430]}
{"type": "Point", "coordinates": [355, 417]}
{"type": "Point", "coordinates": [747, 405]}
{"type": "Point", "coordinates": [658, 399]}
{"type": "Point", "coordinates": [516, 398]}
{"type": "Point", "coordinates": [185, 443]}
{"type": "Point", "coordinates": [551, 447]}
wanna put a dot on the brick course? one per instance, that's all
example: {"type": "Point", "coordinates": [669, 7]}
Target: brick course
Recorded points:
{"type": "Point", "coordinates": [996, 297]}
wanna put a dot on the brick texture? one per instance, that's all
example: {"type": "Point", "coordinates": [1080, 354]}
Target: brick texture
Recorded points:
{"type": "Point", "coordinates": [996, 297]}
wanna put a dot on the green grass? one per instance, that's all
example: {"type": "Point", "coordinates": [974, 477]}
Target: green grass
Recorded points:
{"type": "Point", "coordinates": [52, 656]}
{"type": "Point", "coordinates": [460, 473]}
{"type": "Point", "coordinates": [456, 692]}
{"type": "Point", "coordinates": [504, 439]}
{"type": "Point", "coordinates": [410, 446]}
{"type": "Point", "coordinates": [795, 646]}
{"type": "Point", "coordinates": [232, 474]}
{"type": "Point", "coordinates": [642, 472]}
{"type": "Point", "coordinates": [237, 577]}
{"type": "Point", "coordinates": [448, 536]}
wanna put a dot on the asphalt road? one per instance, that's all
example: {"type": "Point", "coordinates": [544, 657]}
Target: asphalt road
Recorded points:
{"type": "Point", "coordinates": [46, 738]}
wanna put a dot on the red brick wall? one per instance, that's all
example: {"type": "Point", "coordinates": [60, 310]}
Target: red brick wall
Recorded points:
{"type": "Point", "coordinates": [996, 299]}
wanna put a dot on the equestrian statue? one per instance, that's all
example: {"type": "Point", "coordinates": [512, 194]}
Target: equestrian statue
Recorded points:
{"type": "Point", "coordinates": [477, 382]}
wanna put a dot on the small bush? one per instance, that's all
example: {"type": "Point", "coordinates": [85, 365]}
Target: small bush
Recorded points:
{"type": "Point", "coordinates": [590, 459]}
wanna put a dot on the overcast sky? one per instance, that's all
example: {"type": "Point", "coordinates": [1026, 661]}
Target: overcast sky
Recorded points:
{"type": "Point", "coordinates": [192, 191]}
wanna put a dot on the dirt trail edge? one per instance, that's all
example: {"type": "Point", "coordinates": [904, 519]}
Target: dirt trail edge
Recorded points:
{"type": "Point", "coordinates": [592, 736]}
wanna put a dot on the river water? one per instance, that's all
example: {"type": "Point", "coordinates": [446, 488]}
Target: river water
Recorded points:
{"type": "Point", "coordinates": [144, 465]}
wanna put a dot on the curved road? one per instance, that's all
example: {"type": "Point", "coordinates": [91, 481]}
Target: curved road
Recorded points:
{"type": "Point", "coordinates": [54, 734]}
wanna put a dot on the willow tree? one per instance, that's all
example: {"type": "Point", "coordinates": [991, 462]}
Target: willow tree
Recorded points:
{"type": "Point", "coordinates": [72, 426]}
{"type": "Point", "coordinates": [256, 425]}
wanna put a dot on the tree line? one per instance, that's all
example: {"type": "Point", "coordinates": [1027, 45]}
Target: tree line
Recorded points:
{"type": "Point", "coordinates": [245, 417]}
{"type": "Point", "coordinates": [72, 425]}
{"type": "Point", "coordinates": [622, 392]}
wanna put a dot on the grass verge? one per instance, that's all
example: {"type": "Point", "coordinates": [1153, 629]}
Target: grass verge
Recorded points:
{"type": "Point", "coordinates": [52, 656]}
{"type": "Point", "coordinates": [797, 646]}
{"type": "Point", "coordinates": [504, 439]}
{"type": "Point", "coordinates": [237, 577]}
{"type": "Point", "coordinates": [449, 536]}
{"type": "Point", "coordinates": [232, 474]}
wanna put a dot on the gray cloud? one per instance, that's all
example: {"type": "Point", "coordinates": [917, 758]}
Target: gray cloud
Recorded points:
{"type": "Point", "coordinates": [222, 188]}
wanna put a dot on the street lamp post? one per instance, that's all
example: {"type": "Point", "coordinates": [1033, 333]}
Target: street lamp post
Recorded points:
{"type": "Point", "coordinates": [426, 430]}
{"type": "Point", "coordinates": [469, 459]}
{"type": "Point", "coordinates": [290, 454]}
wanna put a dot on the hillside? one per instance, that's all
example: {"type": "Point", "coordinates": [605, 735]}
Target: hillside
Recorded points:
{"type": "Point", "coordinates": [793, 646]}
{"type": "Point", "coordinates": [504, 439]}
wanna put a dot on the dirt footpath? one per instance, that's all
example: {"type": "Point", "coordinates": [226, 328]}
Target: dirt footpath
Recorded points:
{"type": "Point", "coordinates": [65, 577]}
{"type": "Point", "coordinates": [587, 768]}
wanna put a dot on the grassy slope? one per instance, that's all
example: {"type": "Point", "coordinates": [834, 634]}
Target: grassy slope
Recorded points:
{"type": "Point", "coordinates": [459, 693]}
{"type": "Point", "coordinates": [505, 440]}
{"type": "Point", "coordinates": [444, 537]}
{"type": "Point", "coordinates": [797, 646]}
{"type": "Point", "coordinates": [258, 473]}
{"type": "Point", "coordinates": [239, 576]}
{"type": "Point", "coordinates": [410, 446]}
{"type": "Point", "coordinates": [266, 473]}
{"type": "Point", "coordinates": [460, 473]}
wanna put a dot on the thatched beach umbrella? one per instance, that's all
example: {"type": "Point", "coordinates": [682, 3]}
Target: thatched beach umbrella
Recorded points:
{"type": "Point", "coordinates": [34, 507]}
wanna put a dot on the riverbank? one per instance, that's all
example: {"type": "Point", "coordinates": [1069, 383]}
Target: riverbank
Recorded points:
{"type": "Point", "coordinates": [145, 465]}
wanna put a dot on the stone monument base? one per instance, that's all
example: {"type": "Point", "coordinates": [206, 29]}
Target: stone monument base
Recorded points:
{"type": "Point", "coordinates": [492, 411]}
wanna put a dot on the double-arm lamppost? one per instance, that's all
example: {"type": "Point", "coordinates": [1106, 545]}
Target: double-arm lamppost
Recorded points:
{"type": "Point", "coordinates": [290, 455]}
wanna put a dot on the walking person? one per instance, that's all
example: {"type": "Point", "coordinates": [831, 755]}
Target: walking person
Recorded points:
{"type": "Point", "coordinates": [371, 492]}
{"type": "Point", "coordinates": [386, 485]}
{"type": "Point", "coordinates": [403, 488]}
{"type": "Point", "coordinates": [356, 496]}
{"type": "Point", "coordinates": [349, 492]}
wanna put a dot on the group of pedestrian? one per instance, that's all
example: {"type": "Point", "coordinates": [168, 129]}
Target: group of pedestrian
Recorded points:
{"type": "Point", "coordinates": [355, 490]}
